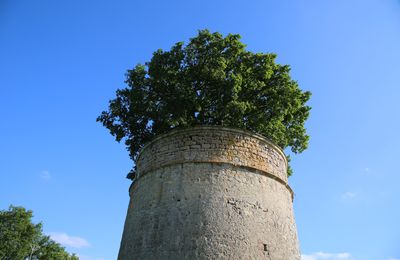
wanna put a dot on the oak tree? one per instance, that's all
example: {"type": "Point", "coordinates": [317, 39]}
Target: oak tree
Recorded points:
{"type": "Point", "coordinates": [212, 80]}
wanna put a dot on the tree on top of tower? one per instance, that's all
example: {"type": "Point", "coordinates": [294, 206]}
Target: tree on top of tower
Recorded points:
{"type": "Point", "coordinates": [213, 80]}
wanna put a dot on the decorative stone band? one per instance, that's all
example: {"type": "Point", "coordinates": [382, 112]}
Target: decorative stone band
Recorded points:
{"type": "Point", "coordinates": [214, 144]}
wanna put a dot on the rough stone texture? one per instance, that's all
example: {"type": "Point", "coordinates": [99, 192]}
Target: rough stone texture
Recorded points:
{"type": "Point", "coordinates": [210, 193]}
{"type": "Point", "coordinates": [213, 144]}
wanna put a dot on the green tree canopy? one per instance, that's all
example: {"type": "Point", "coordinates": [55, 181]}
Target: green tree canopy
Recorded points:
{"type": "Point", "coordinates": [213, 80]}
{"type": "Point", "coordinates": [21, 239]}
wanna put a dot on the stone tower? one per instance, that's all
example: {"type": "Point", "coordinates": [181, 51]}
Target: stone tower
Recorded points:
{"type": "Point", "coordinates": [210, 193]}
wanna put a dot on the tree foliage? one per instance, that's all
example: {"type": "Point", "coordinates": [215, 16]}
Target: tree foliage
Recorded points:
{"type": "Point", "coordinates": [21, 239]}
{"type": "Point", "coordinates": [213, 80]}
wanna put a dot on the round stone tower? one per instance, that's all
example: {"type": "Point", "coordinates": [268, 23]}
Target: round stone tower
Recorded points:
{"type": "Point", "coordinates": [210, 193]}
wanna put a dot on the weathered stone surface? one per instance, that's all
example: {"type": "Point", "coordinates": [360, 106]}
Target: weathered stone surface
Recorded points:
{"type": "Point", "coordinates": [210, 193]}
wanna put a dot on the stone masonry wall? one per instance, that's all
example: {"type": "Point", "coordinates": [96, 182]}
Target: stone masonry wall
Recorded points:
{"type": "Point", "coordinates": [205, 144]}
{"type": "Point", "coordinates": [214, 193]}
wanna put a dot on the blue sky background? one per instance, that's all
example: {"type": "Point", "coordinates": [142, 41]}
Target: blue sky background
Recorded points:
{"type": "Point", "coordinates": [61, 61]}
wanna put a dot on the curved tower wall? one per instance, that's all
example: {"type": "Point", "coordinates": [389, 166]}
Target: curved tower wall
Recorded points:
{"type": "Point", "coordinates": [210, 193]}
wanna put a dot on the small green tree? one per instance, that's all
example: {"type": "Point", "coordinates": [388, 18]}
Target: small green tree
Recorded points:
{"type": "Point", "coordinates": [21, 239]}
{"type": "Point", "coordinates": [213, 80]}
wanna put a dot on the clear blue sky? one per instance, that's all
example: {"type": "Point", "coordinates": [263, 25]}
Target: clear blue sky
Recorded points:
{"type": "Point", "coordinates": [61, 61]}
